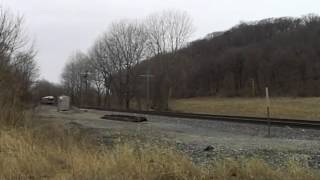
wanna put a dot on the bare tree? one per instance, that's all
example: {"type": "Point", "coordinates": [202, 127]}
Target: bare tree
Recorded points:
{"type": "Point", "coordinates": [126, 44]}
{"type": "Point", "coordinates": [168, 32]}
{"type": "Point", "coordinates": [17, 66]}
{"type": "Point", "coordinates": [116, 54]}
{"type": "Point", "coordinates": [26, 70]}
{"type": "Point", "coordinates": [12, 37]}
{"type": "Point", "coordinates": [73, 78]}
{"type": "Point", "coordinates": [102, 62]}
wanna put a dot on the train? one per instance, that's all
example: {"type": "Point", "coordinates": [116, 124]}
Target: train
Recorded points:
{"type": "Point", "coordinates": [49, 100]}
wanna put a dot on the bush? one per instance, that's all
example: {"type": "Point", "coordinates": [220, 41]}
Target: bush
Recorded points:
{"type": "Point", "coordinates": [12, 116]}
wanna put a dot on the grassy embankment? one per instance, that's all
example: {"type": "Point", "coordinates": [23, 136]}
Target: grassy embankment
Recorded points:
{"type": "Point", "coordinates": [284, 107]}
{"type": "Point", "coordinates": [48, 151]}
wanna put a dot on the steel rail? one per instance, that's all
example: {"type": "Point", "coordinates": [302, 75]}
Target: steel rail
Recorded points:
{"type": "Point", "coordinates": [314, 124]}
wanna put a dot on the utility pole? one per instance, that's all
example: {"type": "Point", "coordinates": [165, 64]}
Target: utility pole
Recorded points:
{"type": "Point", "coordinates": [148, 77]}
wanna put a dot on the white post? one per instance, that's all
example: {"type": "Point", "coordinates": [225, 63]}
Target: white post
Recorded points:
{"type": "Point", "coordinates": [267, 97]}
{"type": "Point", "coordinates": [268, 110]}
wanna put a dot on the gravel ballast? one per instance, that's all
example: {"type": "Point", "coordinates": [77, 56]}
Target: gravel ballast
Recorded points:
{"type": "Point", "coordinates": [204, 140]}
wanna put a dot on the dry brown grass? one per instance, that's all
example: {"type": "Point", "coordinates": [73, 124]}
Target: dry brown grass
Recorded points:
{"type": "Point", "coordinates": [285, 107]}
{"type": "Point", "coordinates": [59, 155]}
{"type": "Point", "coordinates": [254, 169]}
{"type": "Point", "coordinates": [12, 115]}
{"type": "Point", "coordinates": [53, 153]}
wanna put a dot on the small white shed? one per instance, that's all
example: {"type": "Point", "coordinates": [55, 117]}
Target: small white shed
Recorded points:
{"type": "Point", "coordinates": [63, 103]}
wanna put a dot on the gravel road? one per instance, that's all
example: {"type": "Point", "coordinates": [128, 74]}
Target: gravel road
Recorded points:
{"type": "Point", "coordinates": [205, 140]}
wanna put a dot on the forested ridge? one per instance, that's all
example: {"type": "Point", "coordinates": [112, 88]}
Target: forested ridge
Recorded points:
{"type": "Point", "coordinates": [149, 61]}
{"type": "Point", "coordinates": [280, 53]}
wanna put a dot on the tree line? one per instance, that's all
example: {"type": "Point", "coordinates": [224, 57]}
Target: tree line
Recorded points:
{"type": "Point", "coordinates": [107, 74]}
{"type": "Point", "coordinates": [280, 53]}
{"type": "Point", "coordinates": [18, 69]}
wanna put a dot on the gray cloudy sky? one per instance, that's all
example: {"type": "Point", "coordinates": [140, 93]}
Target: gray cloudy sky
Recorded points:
{"type": "Point", "coordinates": [60, 27]}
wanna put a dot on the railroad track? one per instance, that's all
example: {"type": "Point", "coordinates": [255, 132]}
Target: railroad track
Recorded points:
{"type": "Point", "coordinates": [313, 124]}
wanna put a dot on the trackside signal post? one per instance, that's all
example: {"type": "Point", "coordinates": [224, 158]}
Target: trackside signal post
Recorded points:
{"type": "Point", "coordinates": [148, 77]}
{"type": "Point", "coordinates": [84, 77]}
{"type": "Point", "coordinates": [268, 110]}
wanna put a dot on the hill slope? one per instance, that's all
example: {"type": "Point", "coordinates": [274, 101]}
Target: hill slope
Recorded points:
{"type": "Point", "coordinates": [281, 53]}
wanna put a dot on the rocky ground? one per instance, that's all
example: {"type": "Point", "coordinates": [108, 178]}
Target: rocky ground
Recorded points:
{"type": "Point", "coordinates": [203, 140]}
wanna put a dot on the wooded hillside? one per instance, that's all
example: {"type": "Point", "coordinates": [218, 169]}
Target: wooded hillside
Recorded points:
{"type": "Point", "coordinates": [149, 61]}
{"type": "Point", "coordinates": [281, 53]}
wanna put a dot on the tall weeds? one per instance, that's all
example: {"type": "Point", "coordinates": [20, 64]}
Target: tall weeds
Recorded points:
{"type": "Point", "coordinates": [50, 152]}
{"type": "Point", "coordinates": [12, 116]}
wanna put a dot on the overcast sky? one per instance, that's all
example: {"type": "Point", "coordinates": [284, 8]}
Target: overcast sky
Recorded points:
{"type": "Point", "coordinates": [60, 27]}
